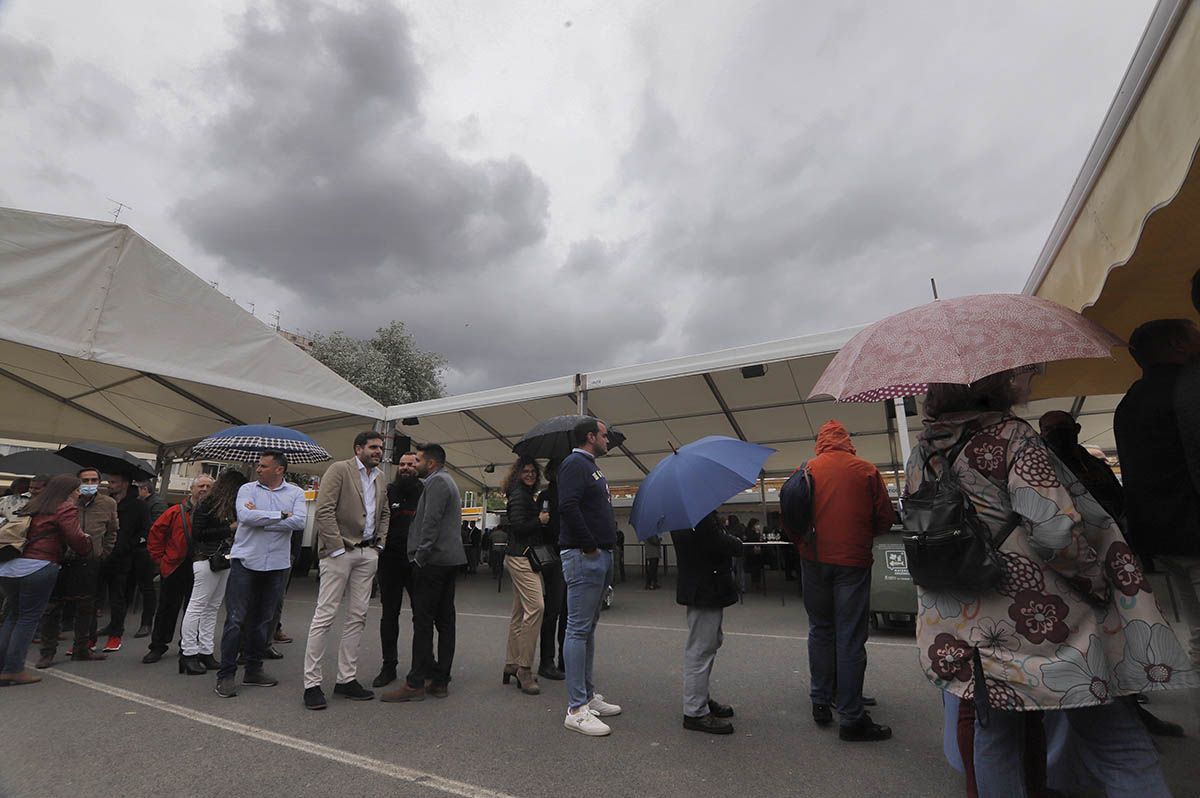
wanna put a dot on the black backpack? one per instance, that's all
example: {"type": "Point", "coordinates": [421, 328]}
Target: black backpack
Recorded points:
{"type": "Point", "coordinates": [796, 506]}
{"type": "Point", "coordinates": [948, 546]}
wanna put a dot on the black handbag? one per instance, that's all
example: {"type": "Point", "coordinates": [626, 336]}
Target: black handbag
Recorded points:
{"type": "Point", "coordinates": [948, 546]}
{"type": "Point", "coordinates": [219, 559]}
{"type": "Point", "coordinates": [540, 557]}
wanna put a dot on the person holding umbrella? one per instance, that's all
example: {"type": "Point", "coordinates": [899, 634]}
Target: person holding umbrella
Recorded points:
{"type": "Point", "coordinates": [682, 493]}
{"type": "Point", "coordinates": [706, 587]}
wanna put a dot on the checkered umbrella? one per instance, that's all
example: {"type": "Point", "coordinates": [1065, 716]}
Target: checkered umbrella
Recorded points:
{"type": "Point", "coordinates": [246, 444]}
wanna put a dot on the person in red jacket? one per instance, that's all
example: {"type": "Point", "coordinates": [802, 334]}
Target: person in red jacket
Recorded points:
{"type": "Point", "coordinates": [850, 507]}
{"type": "Point", "coordinates": [169, 545]}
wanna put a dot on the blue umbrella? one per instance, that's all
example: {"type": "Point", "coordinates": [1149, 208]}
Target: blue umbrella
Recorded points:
{"type": "Point", "coordinates": [694, 481]}
{"type": "Point", "coordinates": [245, 444]}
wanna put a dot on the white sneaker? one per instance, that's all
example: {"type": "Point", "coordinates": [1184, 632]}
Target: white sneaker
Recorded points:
{"type": "Point", "coordinates": [601, 708]}
{"type": "Point", "coordinates": [585, 722]}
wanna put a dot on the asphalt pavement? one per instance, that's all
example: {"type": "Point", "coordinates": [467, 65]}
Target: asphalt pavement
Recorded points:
{"type": "Point", "coordinates": [121, 728]}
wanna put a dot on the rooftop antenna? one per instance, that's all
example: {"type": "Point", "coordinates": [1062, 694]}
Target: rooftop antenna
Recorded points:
{"type": "Point", "coordinates": [116, 212]}
{"type": "Point", "coordinates": [933, 283]}
{"type": "Point", "coordinates": [251, 304]}
{"type": "Point", "coordinates": [275, 318]}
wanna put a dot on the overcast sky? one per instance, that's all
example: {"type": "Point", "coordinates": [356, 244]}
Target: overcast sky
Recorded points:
{"type": "Point", "coordinates": [543, 188]}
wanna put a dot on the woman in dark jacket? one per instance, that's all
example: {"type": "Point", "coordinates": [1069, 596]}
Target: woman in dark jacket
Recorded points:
{"type": "Point", "coordinates": [28, 579]}
{"type": "Point", "coordinates": [706, 587]}
{"type": "Point", "coordinates": [524, 531]}
{"type": "Point", "coordinates": [213, 525]}
{"type": "Point", "coordinates": [554, 619]}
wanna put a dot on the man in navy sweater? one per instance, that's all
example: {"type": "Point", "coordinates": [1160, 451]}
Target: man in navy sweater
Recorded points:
{"type": "Point", "coordinates": [587, 533]}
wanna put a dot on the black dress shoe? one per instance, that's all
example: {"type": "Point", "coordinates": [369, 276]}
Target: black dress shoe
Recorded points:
{"type": "Point", "coordinates": [719, 710]}
{"type": "Point", "coordinates": [353, 690]}
{"type": "Point", "coordinates": [271, 653]}
{"type": "Point", "coordinates": [864, 731]}
{"type": "Point", "coordinates": [386, 676]}
{"type": "Point", "coordinates": [708, 724]}
{"type": "Point", "coordinates": [152, 656]}
{"type": "Point", "coordinates": [869, 701]}
{"type": "Point", "coordinates": [314, 698]}
{"type": "Point", "coordinates": [822, 714]}
{"type": "Point", "coordinates": [143, 631]}
{"type": "Point", "coordinates": [191, 666]}
{"type": "Point", "coordinates": [547, 671]}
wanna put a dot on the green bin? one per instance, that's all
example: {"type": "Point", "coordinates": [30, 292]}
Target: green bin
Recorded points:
{"type": "Point", "coordinates": [893, 594]}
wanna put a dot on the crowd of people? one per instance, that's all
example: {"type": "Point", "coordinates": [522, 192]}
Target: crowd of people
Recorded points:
{"type": "Point", "coordinates": [1061, 649]}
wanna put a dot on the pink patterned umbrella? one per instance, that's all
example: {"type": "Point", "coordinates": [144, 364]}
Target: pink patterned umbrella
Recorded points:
{"type": "Point", "coordinates": [958, 341]}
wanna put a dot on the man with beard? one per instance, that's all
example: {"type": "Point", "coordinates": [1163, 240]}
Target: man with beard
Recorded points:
{"type": "Point", "coordinates": [395, 572]}
{"type": "Point", "coordinates": [352, 521]}
{"type": "Point", "coordinates": [435, 550]}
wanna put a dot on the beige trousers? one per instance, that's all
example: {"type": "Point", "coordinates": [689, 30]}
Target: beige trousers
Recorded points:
{"type": "Point", "coordinates": [348, 575]}
{"type": "Point", "coordinates": [528, 605]}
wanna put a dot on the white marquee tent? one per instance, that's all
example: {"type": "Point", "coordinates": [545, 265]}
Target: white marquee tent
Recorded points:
{"type": "Point", "coordinates": [104, 337]}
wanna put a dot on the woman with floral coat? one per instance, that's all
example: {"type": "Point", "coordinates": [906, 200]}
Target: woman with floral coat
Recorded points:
{"type": "Point", "coordinates": [1071, 626]}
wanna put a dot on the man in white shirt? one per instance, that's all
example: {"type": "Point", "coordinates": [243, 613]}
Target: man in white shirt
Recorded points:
{"type": "Point", "coordinates": [352, 523]}
{"type": "Point", "coordinates": [268, 511]}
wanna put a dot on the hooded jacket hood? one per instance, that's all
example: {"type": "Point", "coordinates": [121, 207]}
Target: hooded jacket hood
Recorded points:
{"type": "Point", "coordinates": [833, 437]}
{"type": "Point", "coordinates": [941, 434]}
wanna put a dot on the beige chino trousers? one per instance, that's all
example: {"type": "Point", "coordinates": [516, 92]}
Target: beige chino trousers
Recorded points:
{"type": "Point", "coordinates": [525, 626]}
{"type": "Point", "coordinates": [348, 575]}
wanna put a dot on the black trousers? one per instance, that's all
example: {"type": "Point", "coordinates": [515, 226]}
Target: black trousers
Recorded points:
{"type": "Point", "coordinates": [176, 592]}
{"type": "Point", "coordinates": [75, 589]}
{"type": "Point", "coordinates": [395, 579]}
{"type": "Point", "coordinates": [652, 572]}
{"type": "Point", "coordinates": [141, 577]}
{"type": "Point", "coordinates": [110, 586]}
{"type": "Point", "coordinates": [433, 607]}
{"type": "Point", "coordinates": [555, 600]}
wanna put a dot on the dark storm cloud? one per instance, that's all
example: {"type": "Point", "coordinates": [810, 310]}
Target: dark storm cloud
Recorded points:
{"type": "Point", "coordinates": [318, 170]}
{"type": "Point", "coordinates": [24, 67]}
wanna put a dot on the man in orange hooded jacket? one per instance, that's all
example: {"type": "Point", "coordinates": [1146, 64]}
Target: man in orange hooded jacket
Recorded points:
{"type": "Point", "coordinates": [850, 507]}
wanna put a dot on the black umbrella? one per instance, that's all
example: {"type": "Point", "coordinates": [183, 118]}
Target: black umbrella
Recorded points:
{"type": "Point", "coordinates": [551, 438]}
{"type": "Point", "coordinates": [35, 462]}
{"type": "Point", "coordinates": [108, 459]}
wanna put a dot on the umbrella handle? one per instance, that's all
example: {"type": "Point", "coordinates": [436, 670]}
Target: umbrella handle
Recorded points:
{"type": "Point", "coordinates": [673, 449]}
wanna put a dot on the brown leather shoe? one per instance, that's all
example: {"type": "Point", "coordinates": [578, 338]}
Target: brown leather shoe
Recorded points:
{"type": "Point", "coordinates": [439, 690]}
{"type": "Point", "coordinates": [14, 679]}
{"type": "Point", "coordinates": [87, 655]}
{"type": "Point", "coordinates": [404, 693]}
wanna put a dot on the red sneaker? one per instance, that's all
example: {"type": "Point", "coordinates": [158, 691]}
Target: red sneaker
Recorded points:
{"type": "Point", "coordinates": [112, 644]}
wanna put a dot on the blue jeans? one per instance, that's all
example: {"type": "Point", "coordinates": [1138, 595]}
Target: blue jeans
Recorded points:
{"type": "Point", "coordinates": [27, 599]}
{"type": "Point", "coordinates": [1109, 741]}
{"type": "Point", "coordinates": [250, 600]}
{"type": "Point", "coordinates": [586, 577]}
{"type": "Point", "coordinates": [837, 599]}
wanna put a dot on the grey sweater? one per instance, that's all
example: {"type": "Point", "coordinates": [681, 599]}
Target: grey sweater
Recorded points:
{"type": "Point", "coordinates": [435, 535]}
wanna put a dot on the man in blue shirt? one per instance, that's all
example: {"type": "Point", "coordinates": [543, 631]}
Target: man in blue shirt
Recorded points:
{"type": "Point", "coordinates": [268, 511]}
{"type": "Point", "coordinates": [587, 534]}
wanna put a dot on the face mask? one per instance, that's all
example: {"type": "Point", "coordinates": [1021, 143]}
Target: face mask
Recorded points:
{"type": "Point", "coordinates": [88, 490]}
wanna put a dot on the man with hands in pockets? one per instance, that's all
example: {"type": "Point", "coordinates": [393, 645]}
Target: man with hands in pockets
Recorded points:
{"type": "Point", "coordinates": [352, 522]}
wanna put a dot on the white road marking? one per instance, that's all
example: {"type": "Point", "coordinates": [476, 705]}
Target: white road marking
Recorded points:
{"type": "Point", "coordinates": [759, 635]}
{"type": "Point", "coordinates": [410, 775]}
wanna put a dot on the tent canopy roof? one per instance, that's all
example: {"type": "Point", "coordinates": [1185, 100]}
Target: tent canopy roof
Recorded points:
{"type": "Point", "coordinates": [104, 337]}
{"type": "Point", "coordinates": [1127, 242]}
{"type": "Point", "coordinates": [678, 401]}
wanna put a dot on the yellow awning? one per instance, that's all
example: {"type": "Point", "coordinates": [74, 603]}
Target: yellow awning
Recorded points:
{"type": "Point", "coordinates": [1124, 251]}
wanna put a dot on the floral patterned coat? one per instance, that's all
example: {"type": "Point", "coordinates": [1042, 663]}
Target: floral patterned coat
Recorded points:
{"type": "Point", "coordinates": [1073, 623]}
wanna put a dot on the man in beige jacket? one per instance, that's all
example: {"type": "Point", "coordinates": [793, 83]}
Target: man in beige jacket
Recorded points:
{"type": "Point", "coordinates": [352, 521]}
